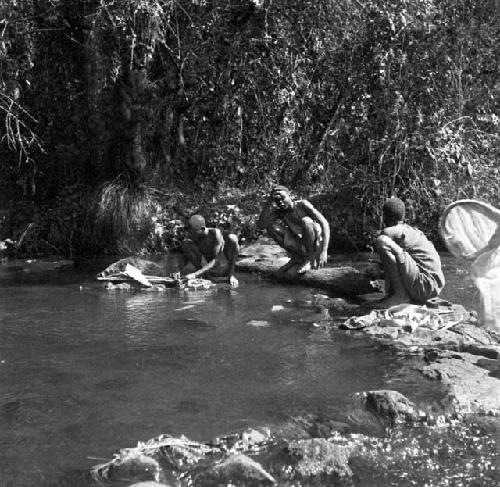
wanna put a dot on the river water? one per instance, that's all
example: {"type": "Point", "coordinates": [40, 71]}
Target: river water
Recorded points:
{"type": "Point", "coordinates": [85, 371]}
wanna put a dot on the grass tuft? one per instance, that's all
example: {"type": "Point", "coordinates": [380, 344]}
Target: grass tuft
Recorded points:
{"type": "Point", "coordinates": [127, 215]}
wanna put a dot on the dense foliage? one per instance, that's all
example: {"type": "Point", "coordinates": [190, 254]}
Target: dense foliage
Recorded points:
{"type": "Point", "coordinates": [116, 113]}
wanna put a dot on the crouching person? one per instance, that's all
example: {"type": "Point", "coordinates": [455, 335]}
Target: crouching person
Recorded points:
{"type": "Point", "coordinates": [209, 251]}
{"type": "Point", "coordinates": [411, 264]}
{"type": "Point", "coordinates": [298, 227]}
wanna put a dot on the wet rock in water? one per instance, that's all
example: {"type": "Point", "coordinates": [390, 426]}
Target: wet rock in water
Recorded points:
{"type": "Point", "coordinates": [253, 436]}
{"type": "Point", "coordinates": [133, 466]}
{"type": "Point", "coordinates": [489, 351]}
{"type": "Point", "coordinates": [295, 428]}
{"type": "Point", "coordinates": [391, 406]}
{"type": "Point", "coordinates": [325, 428]}
{"type": "Point", "coordinates": [237, 470]}
{"type": "Point", "coordinates": [316, 457]}
{"type": "Point", "coordinates": [336, 304]}
{"type": "Point", "coordinates": [258, 323]}
{"type": "Point", "coordinates": [475, 334]}
{"type": "Point", "coordinates": [312, 425]}
{"type": "Point", "coordinates": [389, 332]}
{"type": "Point", "coordinates": [470, 386]}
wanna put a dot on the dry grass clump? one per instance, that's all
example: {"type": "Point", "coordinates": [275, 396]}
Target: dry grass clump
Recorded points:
{"type": "Point", "coordinates": [127, 212]}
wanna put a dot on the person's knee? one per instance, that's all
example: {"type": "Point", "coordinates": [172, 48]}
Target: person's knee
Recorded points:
{"type": "Point", "coordinates": [383, 243]}
{"type": "Point", "coordinates": [308, 222]}
{"type": "Point", "coordinates": [232, 239]}
{"type": "Point", "coordinates": [276, 233]}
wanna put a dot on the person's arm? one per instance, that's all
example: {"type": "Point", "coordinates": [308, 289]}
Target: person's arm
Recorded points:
{"type": "Point", "coordinates": [218, 245]}
{"type": "Point", "coordinates": [325, 229]}
{"type": "Point", "coordinates": [396, 238]}
{"type": "Point", "coordinates": [267, 216]}
{"type": "Point", "coordinates": [395, 233]}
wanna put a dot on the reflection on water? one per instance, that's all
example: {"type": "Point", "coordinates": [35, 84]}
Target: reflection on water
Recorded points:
{"type": "Point", "coordinates": [85, 371]}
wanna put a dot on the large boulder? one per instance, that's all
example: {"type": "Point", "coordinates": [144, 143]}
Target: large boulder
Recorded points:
{"type": "Point", "coordinates": [266, 258]}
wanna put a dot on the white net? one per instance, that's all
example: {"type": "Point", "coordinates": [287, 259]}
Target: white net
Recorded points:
{"type": "Point", "coordinates": [471, 230]}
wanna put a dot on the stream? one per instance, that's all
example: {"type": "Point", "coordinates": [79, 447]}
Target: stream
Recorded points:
{"type": "Point", "coordinates": [85, 371]}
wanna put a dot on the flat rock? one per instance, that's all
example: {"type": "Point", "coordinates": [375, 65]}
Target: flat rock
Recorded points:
{"type": "Point", "coordinates": [471, 333]}
{"type": "Point", "coordinates": [470, 387]}
{"type": "Point", "coordinates": [266, 258]}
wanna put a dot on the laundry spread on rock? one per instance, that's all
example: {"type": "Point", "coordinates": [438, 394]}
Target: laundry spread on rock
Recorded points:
{"type": "Point", "coordinates": [407, 317]}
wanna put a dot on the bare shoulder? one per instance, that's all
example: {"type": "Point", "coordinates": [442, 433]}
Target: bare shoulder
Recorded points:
{"type": "Point", "coordinates": [304, 204]}
{"type": "Point", "coordinates": [305, 207]}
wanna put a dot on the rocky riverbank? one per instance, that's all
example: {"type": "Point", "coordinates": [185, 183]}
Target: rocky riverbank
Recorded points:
{"type": "Point", "coordinates": [385, 431]}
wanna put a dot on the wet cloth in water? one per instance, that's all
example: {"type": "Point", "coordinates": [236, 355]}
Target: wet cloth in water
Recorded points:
{"type": "Point", "coordinates": [471, 231]}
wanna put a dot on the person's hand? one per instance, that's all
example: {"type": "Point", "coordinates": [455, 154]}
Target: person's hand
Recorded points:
{"type": "Point", "coordinates": [233, 282]}
{"type": "Point", "coordinates": [322, 259]}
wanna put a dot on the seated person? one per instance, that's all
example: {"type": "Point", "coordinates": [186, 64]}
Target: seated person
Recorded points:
{"type": "Point", "coordinates": [411, 263]}
{"type": "Point", "coordinates": [298, 227]}
{"type": "Point", "coordinates": [210, 252]}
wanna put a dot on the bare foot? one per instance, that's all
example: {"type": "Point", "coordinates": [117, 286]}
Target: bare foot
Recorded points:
{"type": "Point", "coordinates": [392, 301]}
{"type": "Point", "coordinates": [306, 266]}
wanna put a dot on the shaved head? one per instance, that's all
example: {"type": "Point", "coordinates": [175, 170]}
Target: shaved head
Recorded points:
{"type": "Point", "coordinates": [196, 222]}
{"type": "Point", "coordinates": [393, 210]}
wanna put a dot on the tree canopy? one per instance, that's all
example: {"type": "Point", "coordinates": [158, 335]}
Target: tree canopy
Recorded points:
{"type": "Point", "coordinates": [107, 105]}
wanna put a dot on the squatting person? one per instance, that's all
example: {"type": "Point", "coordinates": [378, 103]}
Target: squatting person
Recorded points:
{"type": "Point", "coordinates": [298, 227]}
{"type": "Point", "coordinates": [411, 264]}
{"type": "Point", "coordinates": [209, 251]}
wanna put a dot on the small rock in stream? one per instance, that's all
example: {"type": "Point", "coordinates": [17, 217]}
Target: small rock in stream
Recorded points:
{"type": "Point", "coordinates": [391, 405]}
{"type": "Point", "coordinates": [259, 323]}
{"type": "Point", "coordinates": [134, 466]}
{"type": "Point", "coordinates": [316, 457]}
{"type": "Point", "coordinates": [235, 470]}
